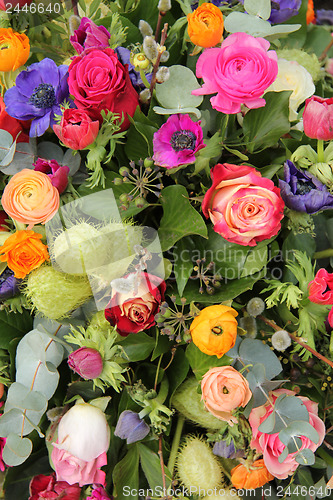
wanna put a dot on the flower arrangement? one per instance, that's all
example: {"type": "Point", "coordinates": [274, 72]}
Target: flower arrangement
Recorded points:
{"type": "Point", "coordinates": [166, 246]}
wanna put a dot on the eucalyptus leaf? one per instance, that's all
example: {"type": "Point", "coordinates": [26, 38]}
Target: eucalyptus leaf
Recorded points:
{"type": "Point", "coordinates": [50, 151]}
{"type": "Point", "coordinates": [305, 457]}
{"type": "Point", "coordinates": [72, 159]}
{"type": "Point", "coordinates": [12, 421]}
{"type": "Point", "coordinates": [20, 396]}
{"type": "Point", "coordinates": [298, 428]}
{"type": "Point", "coordinates": [254, 351]}
{"type": "Point", "coordinates": [16, 450]}
{"type": "Point", "coordinates": [261, 8]}
{"type": "Point", "coordinates": [172, 111]}
{"type": "Point", "coordinates": [24, 158]}
{"type": "Point", "coordinates": [173, 94]}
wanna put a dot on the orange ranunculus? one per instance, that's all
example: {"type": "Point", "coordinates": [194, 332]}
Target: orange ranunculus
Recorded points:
{"type": "Point", "coordinates": [14, 49]}
{"type": "Point", "coordinates": [214, 331]}
{"type": "Point", "coordinates": [23, 251]}
{"type": "Point", "coordinates": [30, 197]}
{"type": "Point", "coordinates": [310, 14]}
{"type": "Point", "coordinates": [254, 477]}
{"type": "Point", "coordinates": [205, 25]}
{"type": "Point", "coordinates": [223, 390]}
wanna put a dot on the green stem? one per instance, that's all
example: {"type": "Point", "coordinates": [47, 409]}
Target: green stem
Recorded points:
{"type": "Point", "coordinates": [320, 151]}
{"type": "Point", "coordinates": [175, 444]}
{"type": "Point", "coordinates": [323, 254]}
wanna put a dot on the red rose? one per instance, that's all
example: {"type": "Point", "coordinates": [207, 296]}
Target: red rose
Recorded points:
{"type": "Point", "coordinates": [132, 313]}
{"type": "Point", "coordinates": [98, 81]}
{"type": "Point", "coordinates": [76, 130]}
{"type": "Point", "coordinates": [12, 125]}
{"type": "Point", "coordinates": [46, 487]}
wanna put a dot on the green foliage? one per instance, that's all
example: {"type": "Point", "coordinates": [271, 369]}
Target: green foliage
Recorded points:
{"type": "Point", "coordinates": [137, 347]}
{"type": "Point", "coordinates": [126, 474]}
{"type": "Point", "coordinates": [200, 363]}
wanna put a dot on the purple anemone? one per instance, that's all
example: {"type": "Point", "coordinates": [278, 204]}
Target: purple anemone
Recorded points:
{"type": "Point", "coordinates": [177, 141]}
{"type": "Point", "coordinates": [303, 192]}
{"type": "Point", "coordinates": [37, 95]}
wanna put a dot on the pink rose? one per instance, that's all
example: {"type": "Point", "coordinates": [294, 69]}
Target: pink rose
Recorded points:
{"type": "Point", "coordinates": [271, 446]}
{"type": "Point", "coordinates": [223, 390]}
{"type": "Point", "coordinates": [74, 470]}
{"type": "Point", "coordinates": [244, 207]}
{"type": "Point", "coordinates": [98, 81]}
{"type": "Point", "coordinates": [239, 72]}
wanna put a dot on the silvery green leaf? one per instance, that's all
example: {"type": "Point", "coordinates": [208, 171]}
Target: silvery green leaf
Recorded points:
{"type": "Point", "coordinates": [172, 111]}
{"type": "Point", "coordinates": [283, 455]}
{"type": "Point", "coordinates": [20, 396]}
{"type": "Point", "coordinates": [11, 422]}
{"type": "Point", "coordinates": [252, 25]}
{"type": "Point", "coordinates": [73, 160]}
{"type": "Point", "coordinates": [298, 428]}
{"type": "Point", "coordinates": [305, 457]}
{"type": "Point", "coordinates": [23, 158]}
{"type": "Point", "coordinates": [174, 94]}
{"type": "Point", "coordinates": [254, 351]}
{"type": "Point", "coordinates": [261, 8]}
{"type": "Point", "coordinates": [7, 148]}
{"type": "Point", "coordinates": [50, 151]}
{"type": "Point", "coordinates": [16, 450]}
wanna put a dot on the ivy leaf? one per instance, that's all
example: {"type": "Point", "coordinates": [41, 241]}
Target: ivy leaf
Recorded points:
{"type": "Point", "coordinates": [201, 363]}
{"type": "Point", "coordinates": [179, 217]}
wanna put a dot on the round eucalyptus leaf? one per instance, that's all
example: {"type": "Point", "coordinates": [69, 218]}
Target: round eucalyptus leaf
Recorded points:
{"type": "Point", "coordinates": [16, 450]}
{"type": "Point", "coordinates": [174, 94]}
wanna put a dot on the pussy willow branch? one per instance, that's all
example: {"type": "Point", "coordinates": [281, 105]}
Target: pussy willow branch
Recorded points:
{"type": "Point", "coordinates": [34, 378]}
{"type": "Point", "coordinates": [158, 59]}
{"type": "Point", "coordinates": [275, 327]}
{"type": "Point", "coordinates": [325, 51]}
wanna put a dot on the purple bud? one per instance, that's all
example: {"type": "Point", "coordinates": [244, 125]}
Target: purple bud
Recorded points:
{"type": "Point", "coordinates": [221, 449]}
{"type": "Point", "coordinates": [58, 174]}
{"type": "Point", "coordinates": [88, 363]}
{"type": "Point", "coordinates": [9, 285]}
{"type": "Point", "coordinates": [131, 427]}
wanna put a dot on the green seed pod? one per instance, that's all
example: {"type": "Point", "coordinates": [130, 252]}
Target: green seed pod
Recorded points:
{"type": "Point", "coordinates": [188, 402]}
{"type": "Point", "coordinates": [198, 467]}
{"type": "Point", "coordinates": [255, 306]}
{"type": "Point", "coordinates": [56, 294]}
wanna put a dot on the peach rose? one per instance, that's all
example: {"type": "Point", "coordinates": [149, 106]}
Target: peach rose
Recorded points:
{"type": "Point", "coordinates": [30, 197]}
{"type": "Point", "coordinates": [270, 445]}
{"type": "Point", "coordinates": [23, 251]}
{"type": "Point", "coordinates": [223, 390]}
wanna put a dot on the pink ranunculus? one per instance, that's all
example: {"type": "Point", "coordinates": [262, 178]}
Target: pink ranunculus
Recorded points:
{"type": "Point", "coordinates": [239, 72]}
{"type": "Point", "coordinates": [47, 488]}
{"type": "Point", "coordinates": [74, 470]}
{"type": "Point", "coordinates": [244, 207]}
{"type": "Point", "coordinates": [270, 445]}
{"type": "Point", "coordinates": [58, 174]}
{"type": "Point", "coordinates": [318, 118]}
{"type": "Point", "coordinates": [98, 81]}
{"type": "Point", "coordinates": [321, 288]}
{"type": "Point", "coordinates": [76, 130]}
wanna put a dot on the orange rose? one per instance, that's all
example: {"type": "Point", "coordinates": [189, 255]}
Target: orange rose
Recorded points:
{"type": "Point", "coordinates": [14, 49]}
{"type": "Point", "coordinates": [223, 390]}
{"type": "Point", "coordinates": [205, 25]}
{"type": "Point", "coordinates": [23, 251]}
{"type": "Point", "coordinates": [250, 478]}
{"type": "Point", "coordinates": [214, 331]}
{"type": "Point", "coordinates": [30, 197]}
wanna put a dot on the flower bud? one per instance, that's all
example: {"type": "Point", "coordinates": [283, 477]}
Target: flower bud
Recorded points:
{"type": "Point", "coordinates": [84, 432]}
{"type": "Point", "coordinates": [281, 340]}
{"type": "Point", "coordinates": [197, 466]}
{"type": "Point", "coordinates": [318, 118]}
{"type": "Point", "coordinates": [74, 23]}
{"type": "Point", "coordinates": [140, 61]}
{"type": "Point", "coordinates": [323, 172]}
{"type": "Point", "coordinates": [145, 96]}
{"type": "Point", "coordinates": [163, 74]}
{"type": "Point", "coordinates": [165, 56]}
{"type": "Point", "coordinates": [150, 48]}
{"type": "Point", "coordinates": [255, 306]}
{"type": "Point", "coordinates": [145, 28]}
{"type": "Point", "coordinates": [131, 427]}
{"type": "Point", "coordinates": [222, 449]}
{"type": "Point", "coordinates": [88, 363]}
{"type": "Point", "coordinates": [164, 5]}
{"type": "Point", "coordinates": [249, 324]}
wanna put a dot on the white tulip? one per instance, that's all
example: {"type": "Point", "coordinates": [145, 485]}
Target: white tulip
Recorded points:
{"type": "Point", "coordinates": [84, 432]}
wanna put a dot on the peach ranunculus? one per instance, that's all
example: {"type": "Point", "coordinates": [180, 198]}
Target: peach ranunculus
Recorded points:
{"type": "Point", "coordinates": [270, 445]}
{"type": "Point", "coordinates": [244, 207]}
{"type": "Point", "coordinates": [214, 330]}
{"type": "Point", "coordinates": [30, 197]}
{"type": "Point", "coordinates": [14, 49]}
{"type": "Point", "coordinates": [205, 25]}
{"type": "Point", "coordinates": [23, 251]}
{"type": "Point", "coordinates": [251, 477]}
{"type": "Point", "coordinates": [223, 390]}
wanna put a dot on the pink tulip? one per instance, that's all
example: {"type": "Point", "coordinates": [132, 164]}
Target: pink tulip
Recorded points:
{"type": "Point", "coordinates": [86, 362]}
{"type": "Point", "coordinates": [318, 118]}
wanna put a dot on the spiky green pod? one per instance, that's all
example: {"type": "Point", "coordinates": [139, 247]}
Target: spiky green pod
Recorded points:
{"type": "Point", "coordinates": [56, 294]}
{"type": "Point", "coordinates": [188, 402]}
{"type": "Point", "coordinates": [198, 467]}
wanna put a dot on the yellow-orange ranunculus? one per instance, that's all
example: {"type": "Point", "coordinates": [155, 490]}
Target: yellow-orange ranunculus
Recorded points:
{"type": "Point", "coordinates": [14, 49]}
{"type": "Point", "coordinates": [23, 251]}
{"type": "Point", "coordinates": [205, 25]}
{"type": "Point", "coordinates": [254, 477]}
{"type": "Point", "coordinates": [214, 331]}
{"type": "Point", "coordinates": [30, 197]}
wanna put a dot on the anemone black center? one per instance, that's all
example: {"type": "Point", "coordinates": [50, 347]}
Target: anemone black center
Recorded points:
{"type": "Point", "coordinates": [304, 187]}
{"type": "Point", "coordinates": [43, 96]}
{"type": "Point", "coordinates": [183, 139]}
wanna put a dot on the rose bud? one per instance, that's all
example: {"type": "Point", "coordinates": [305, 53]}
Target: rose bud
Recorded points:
{"type": "Point", "coordinates": [76, 130]}
{"type": "Point", "coordinates": [58, 174]}
{"type": "Point", "coordinates": [84, 432]}
{"type": "Point", "coordinates": [318, 118]}
{"type": "Point", "coordinates": [86, 362]}
{"type": "Point", "coordinates": [131, 427]}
